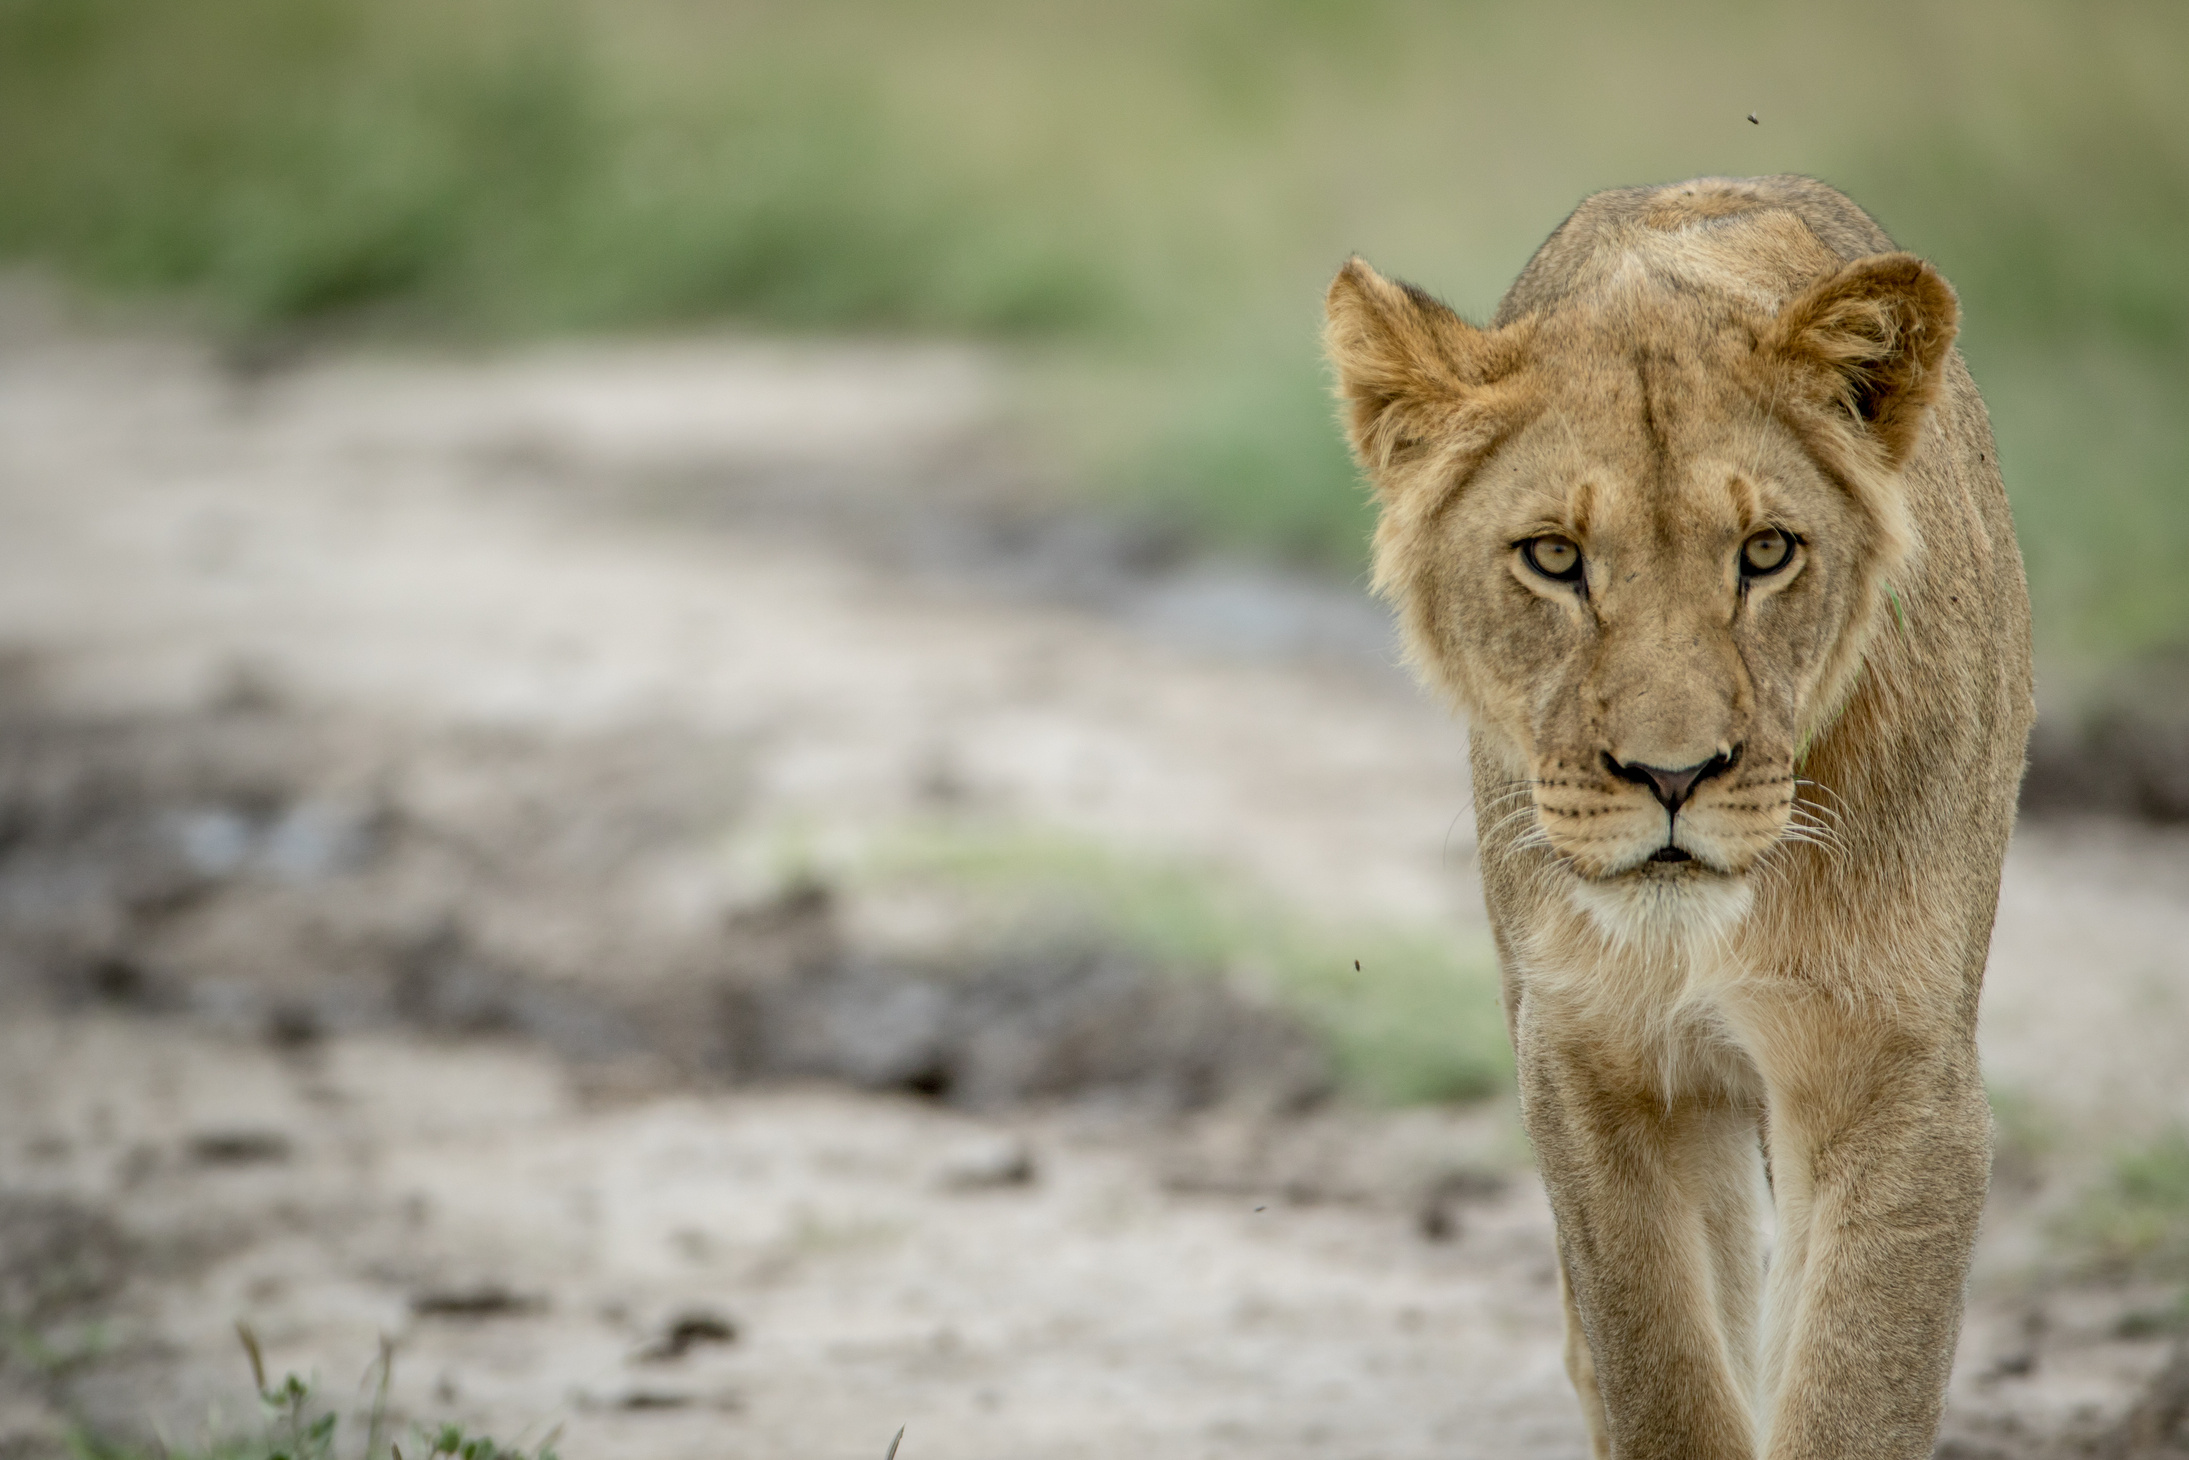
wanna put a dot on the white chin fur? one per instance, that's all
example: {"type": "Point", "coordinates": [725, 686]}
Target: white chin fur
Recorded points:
{"type": "Point", "coordinates": [1653, 912]}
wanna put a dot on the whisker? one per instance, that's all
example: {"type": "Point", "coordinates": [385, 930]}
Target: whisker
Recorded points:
{"type": "Point", "coordinates": [1824, 842]}
{"type": "Point", "coordinates": [1522, 790]}
{"type": "Point", "coordinates": [1839, 803]}
{"type": "Point", "coordinates": [1444, 854]}
{"type": "Point", "coordinates": [1514, 793]}
{"type": "Point", "coordinates": [1811, 824]}
{"type": "Point", "coordinates": [1515, 814]}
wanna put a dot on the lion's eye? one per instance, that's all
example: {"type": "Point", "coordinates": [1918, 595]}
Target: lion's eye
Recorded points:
{"type": "Point", "coordinates": [1766, 552]}
{"type": "Point", "coordinates": [1554, 557]}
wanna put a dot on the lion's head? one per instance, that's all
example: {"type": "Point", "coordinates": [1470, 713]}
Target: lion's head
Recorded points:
{"type": "Point", "coordinates": [1642, 537]}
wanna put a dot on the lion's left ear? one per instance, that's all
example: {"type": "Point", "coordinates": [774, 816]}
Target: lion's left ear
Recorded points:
{"type": "Point", "coordinates": [1871, 340]}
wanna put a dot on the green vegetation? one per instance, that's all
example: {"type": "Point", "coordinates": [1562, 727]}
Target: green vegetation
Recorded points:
{"type": "Point", "coordinates": [296, 1424]}
{"type": "Point", "coordinates": [1411, 1015]}
{"type": "Point", "coordinates": [1152, 194]}
{"type": "Point", "coordinates": [2137, 1220]}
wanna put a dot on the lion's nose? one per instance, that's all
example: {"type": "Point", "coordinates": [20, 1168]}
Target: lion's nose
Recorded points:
{"type": "Point", "coordinates": [1672, 788]}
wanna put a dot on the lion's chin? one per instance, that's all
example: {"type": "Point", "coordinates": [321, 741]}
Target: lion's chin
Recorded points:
{"type": "Point", "coordinates": [1658, 903]}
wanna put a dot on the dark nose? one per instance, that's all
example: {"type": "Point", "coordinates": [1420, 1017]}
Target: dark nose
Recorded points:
{"type": "Point", "coordinates": [1672, 788]}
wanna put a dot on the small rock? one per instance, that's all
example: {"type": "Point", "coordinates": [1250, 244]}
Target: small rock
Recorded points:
{"type": "Point", "coordinates": [687, 1331]}
{"type": "Point", "coordinates": [1437, 1222]}
{"type": "Point", "coordinates": [1436, 1215]}
{"type": "Point", "coordinates": [987, 1165]}
{"type": "Point", "coordinates": [293, 1025]}
{"type": "Point", "coordinates": [486, 1300]}
{"type": "Point", "coordinates": [238, 1147]}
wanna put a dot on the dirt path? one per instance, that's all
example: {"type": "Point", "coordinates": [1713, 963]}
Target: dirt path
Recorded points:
{"type": "Point", "coordinates": [880, 1262]}
{"type": "Point", "coordinates": [717, 558]}
{"type": "Point", "coordinates": [430, 539]}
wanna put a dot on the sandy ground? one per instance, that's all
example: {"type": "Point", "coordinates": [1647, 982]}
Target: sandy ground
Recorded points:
{"type": "Point", "coordinates": [789, 573]}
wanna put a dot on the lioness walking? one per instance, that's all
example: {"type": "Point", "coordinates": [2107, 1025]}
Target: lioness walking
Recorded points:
{"type": "Point", "coordinates": [1706, 537]}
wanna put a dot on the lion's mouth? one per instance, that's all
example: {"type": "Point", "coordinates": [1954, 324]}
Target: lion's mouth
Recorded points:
{"type": "Point", "coordinates": [1670, 853]}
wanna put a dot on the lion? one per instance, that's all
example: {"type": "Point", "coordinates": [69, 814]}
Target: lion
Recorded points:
{"type": "Point", "coordinates": [1705, 537]}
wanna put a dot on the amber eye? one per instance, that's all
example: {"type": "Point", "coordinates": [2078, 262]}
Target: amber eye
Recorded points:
{"type": "Point", "coordinates": [1766, 552]}
{"type": "Point", "coordinates": [1554, 557]}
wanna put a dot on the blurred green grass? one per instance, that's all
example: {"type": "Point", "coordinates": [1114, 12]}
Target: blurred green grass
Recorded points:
{"type": "Point", "coordinates": [1154, 195]}
{"type": "Point", "coordinates": [2135, 1222]}
{"type": "Point", "coordinates": [297, 1421]}
{"type": "Point", "coordinates": [1408, 1014]}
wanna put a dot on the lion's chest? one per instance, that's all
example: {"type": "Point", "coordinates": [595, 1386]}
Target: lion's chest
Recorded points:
{"type": "Point", "coordinates": [1666, 1004]}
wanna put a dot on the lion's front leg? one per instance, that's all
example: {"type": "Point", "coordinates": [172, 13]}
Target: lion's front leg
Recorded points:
{"type": "Point", "coordinates": [1581, 1370]}
{"type": "Point", "coordinates": [1658, 1251]}
{"type": "Point", "coordinates": [1879, 1170]}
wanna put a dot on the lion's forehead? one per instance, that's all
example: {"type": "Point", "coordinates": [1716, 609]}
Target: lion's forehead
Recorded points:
{"type": "Point", "coordinates": [1627, 474]}
{"type": "Point", "coordinates": [1652, 416]}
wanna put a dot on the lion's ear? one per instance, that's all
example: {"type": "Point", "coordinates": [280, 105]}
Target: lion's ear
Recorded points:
{"type": "Point", "coordinates": [1407, 366]}
{"type": "Point", "coordinates": [1871, 340]}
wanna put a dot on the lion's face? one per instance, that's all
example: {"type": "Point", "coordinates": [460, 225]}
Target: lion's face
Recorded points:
{"type": "Point", "coordinates": [1642, 544]}
{"type": "Point", "coordinates": [1645, 580]}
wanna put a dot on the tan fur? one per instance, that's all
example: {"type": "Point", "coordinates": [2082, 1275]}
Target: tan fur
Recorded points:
{"type": "Point", "coordinates": [1782, 1027]}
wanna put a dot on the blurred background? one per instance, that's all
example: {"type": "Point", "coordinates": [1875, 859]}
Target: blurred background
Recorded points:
{"type": "Point", "coordinates": [1141, 204]}
{"type": "Point", "coordinates": [686, 683]}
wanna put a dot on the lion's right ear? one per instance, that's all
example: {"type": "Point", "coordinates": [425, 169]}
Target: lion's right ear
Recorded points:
{"type": "Point", "coordinates": [1409, 370]}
